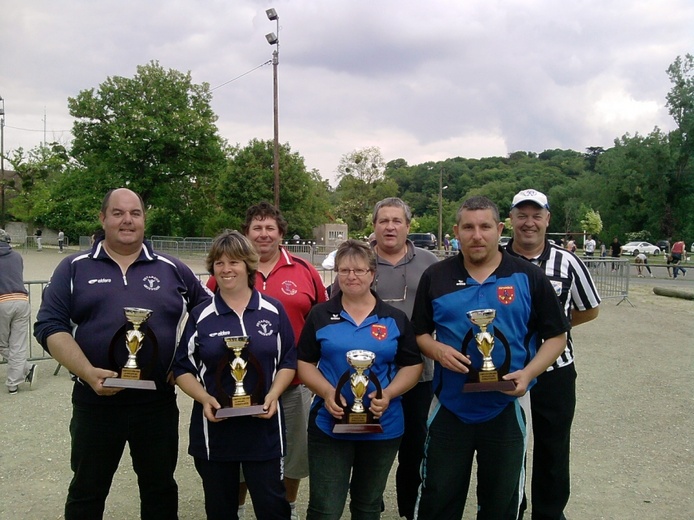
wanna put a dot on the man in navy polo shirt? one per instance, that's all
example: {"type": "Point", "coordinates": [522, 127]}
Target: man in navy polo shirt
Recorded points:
{"type": "Point", "coordinates": [81, 313]}
{"type": "Point", "coordinates": [529, 328]}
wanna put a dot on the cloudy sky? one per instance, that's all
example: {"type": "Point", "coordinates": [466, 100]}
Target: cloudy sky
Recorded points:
{"type": "Point", "coordinates": [422, 80]}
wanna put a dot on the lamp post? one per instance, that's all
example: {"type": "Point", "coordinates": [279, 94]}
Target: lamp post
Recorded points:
{"type": "Point", "coordinates": [274, 39]}
{"type": "Point", "coordinates": [2, 162]}
{"type": "Point", "coordinates": [441, 188]}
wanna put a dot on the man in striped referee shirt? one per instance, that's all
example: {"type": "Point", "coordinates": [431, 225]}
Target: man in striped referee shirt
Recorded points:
{"type": "Point", "coordinates": [553, 398]}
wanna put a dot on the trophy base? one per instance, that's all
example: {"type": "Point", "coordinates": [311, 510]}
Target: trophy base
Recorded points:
{"type": "Point", "coordinates": [358, 428]}
{"type": "Point", "coordinates": [489, 386]}
{"type": "Point", "coordinates": [240, 411]}
{"type": "Point", "coordinates": [138, 384]}
{"type": "Point", "coordinates": [354, 422]}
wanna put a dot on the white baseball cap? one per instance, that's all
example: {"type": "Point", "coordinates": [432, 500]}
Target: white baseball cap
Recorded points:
{"type": "Point", "coordinates": [530, 196]}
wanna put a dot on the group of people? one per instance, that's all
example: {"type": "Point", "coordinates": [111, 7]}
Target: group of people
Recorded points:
{"type": "Point", "coordinates": [398, 302]}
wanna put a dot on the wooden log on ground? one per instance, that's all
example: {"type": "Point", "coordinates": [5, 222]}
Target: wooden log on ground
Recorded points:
{"type": "Point", "coordinates": [673, 293]}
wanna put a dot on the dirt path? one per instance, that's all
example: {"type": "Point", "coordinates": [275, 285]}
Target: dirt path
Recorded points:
{"type": "Point", "coordinates": [632, 442]}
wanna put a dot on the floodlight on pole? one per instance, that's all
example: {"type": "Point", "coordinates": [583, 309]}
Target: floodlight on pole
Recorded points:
{"type": "Point", "coordinates": [274, 39]}
{"type": "Point", "coordinates": [441, 188]}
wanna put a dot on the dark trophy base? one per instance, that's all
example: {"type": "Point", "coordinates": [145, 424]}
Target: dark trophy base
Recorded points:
{"type": "Point", "coordinates": [353, 422]}
{"type": "Point", "coordinates": [489, 382]}
{"type": "Point", "coordinates": [128, 382]}
{"type": "Point", "coordinates": [240, 411]}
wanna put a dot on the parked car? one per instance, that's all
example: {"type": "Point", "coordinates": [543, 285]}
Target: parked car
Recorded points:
{"type": "Point", "coordinates": [634, 248]}
{"type": "Point", "coordinates": [423, 240]}
{"type": "Point", "coordinates": [664, 245]}
{"type": "Point", "coordinates": [504, 240]}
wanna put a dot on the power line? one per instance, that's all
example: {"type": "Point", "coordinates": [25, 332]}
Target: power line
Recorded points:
{"type": "Point", "coordinates": [33, 130]}
{"type": "Point", "coordinates": [242, 75]}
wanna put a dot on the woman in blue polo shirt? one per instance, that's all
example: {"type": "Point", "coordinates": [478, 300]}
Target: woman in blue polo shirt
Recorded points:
{"type": "Point", "coordinates": [220, 447]}
{"type": "Point", "coordinates": [355, 319]}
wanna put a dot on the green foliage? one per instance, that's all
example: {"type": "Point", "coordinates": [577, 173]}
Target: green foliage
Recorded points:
{"type": "Point", "coordinates": [154, 133]}
{"type": "Point", "coordinates": [591, 222]}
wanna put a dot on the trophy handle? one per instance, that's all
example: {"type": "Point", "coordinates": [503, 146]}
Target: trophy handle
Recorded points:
{"type": "Point", "coordinates": [343, 381]}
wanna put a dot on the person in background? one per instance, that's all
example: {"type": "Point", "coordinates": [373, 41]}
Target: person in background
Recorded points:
{"type": "Point", "coordinates": [355, 317]}
{"type": "Point", "coordinates": [679, 249]}
{"type": "Point", "coordinates": [298, 286]}
{"type": "Point", "coordinates": [81, 313]}
{"type": "Point", "coordinates": [220, 447]}
{"type": "Point", "coordinates": [553, 398]}
{"type": "Point", "coordinates": [529, 325]}
{"type": "Point", "coordinates": [615, 251]}
{"type": "Point", "coordinates": [61, 241]}
{"type": "Point", "coordinates": [455, 244]}
{"type": "Point", "coordinates": [38, 233]}
{"type": "Point", "coordinates": [589, 247]}
{"type": "Point", "coordinates": [15, 314]}
{"type": "Point", "coordinates": [447, 242]}
{"type": "Point", "coordinates": [641, 261]}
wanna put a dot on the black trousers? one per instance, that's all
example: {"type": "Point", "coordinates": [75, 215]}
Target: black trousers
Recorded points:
{"type": "Point", "coordinates": [553, 402]}
{"type": "Point", "coordinates": [415, 407]}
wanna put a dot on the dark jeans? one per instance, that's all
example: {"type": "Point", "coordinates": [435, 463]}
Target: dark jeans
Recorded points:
{"type": "Point", "coordinates": [99, 434]}
{"type": "Point", "coordinates": [553, 403]}
{"type": "Point", "coordinates": [330, 462]}
{"type": "Point", "coordinates": [415, 406]}
{"type": "Point", "coordinates": [220, 481]}
{"type": "Point", "coordinates": [448, 455]}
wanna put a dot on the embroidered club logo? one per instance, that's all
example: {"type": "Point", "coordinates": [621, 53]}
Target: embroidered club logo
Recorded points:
{"type": "Point", "coordinates": [506, 294]}
{"type": "Point", "coordinates": [380, 332]}
{"type": "Point", "coordinates": [289, 288]}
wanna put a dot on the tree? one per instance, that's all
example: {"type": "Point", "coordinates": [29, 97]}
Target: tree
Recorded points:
{"type": "Point", "coordinates": [591, 222]}
{"type": "Point", "coordinates": [365, 164]}
{"type": "Point", "coordinates": [154, 133]}
{"type": "Point", "coordinates": [249, 179]}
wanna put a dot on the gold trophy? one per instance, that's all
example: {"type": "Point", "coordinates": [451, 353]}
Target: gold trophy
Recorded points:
{"type": "Point", "coordinates": [357, 419]}
{"type": "Point", "coordinates": [487, 378]}
{"type": "Point", "coordinates": [130, 374]}
{"type": "Point", "coordinates": [239, 402]}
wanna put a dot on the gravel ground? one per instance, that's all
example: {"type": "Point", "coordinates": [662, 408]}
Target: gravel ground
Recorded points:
{"type": "Point", "coordinates": [635, 369]}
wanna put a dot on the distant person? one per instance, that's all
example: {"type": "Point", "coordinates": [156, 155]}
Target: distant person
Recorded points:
{"type": "Point", "coordinates": [553, 398]}
{"type": "Point", "coordinates": [678, 253]}
{"type": "Point", "coordinates": [589, 247]}
{"type": "Point", "coordinates": [641, 261]}
{"type": "Point", "coordinates": [15, 314]}
{"type": "Point", "coordinates": [61, 241]}
{"type": "Point", "coordinates": [571, 245]}
{"type": "Point", "coordinates": [80, 315]}
{"type": "Point", "coordinates": [447, 242]}
{"type": "Point", "coordinates": [455, 244]}
{"type": "Point", "coordinates": [38, 233]}
{"type": "Point", "coordinates": [615, 251]}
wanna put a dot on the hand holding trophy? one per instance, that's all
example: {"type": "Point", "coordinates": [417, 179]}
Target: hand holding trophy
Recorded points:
{"type": "Point", "coordinates": [240, 402]}
{"type": "Point", "coordinates": [487, 378]}
{"type": "Point", "coordinates": [130, 373]}
{"type": "Point", "coordinates": [357, 419]}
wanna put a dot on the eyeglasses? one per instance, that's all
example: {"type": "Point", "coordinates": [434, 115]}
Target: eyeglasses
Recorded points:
{"type": "Point", "coordinates": [357, 272]}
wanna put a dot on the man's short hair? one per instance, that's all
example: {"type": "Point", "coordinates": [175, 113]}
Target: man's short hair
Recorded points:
{"type": "Point", "coordinates": [261, 211]}
{"type": "Point", "coordinates": [107, 198]}
{"type": "Point", "coordinates": [392, 202]}
{"type": "Point", "coordinates": [479, 202]}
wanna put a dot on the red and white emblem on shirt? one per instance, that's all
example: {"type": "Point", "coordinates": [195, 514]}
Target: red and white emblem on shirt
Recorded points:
{"type": "Point", "coordinates": [380, 332]}
{"type": "Point", "coordinates": [289, 288]}
{"type": "Point", "coordinates": [506, 294]}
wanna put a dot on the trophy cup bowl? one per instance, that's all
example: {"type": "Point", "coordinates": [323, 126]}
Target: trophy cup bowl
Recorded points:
{"type": "Point", "coordinates": [359, 360]}
{"type": "Point", "coordinates": [488, 378]}
{"type": "Point", "coordinates": [130, 376]}
{"type": "Point", "coordinates": [238, 366]}
{"type": "Point", "coordinates": [240, 402]}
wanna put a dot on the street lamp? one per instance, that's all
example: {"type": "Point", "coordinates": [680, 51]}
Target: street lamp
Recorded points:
{"type": "Point", "coordinates": [441, 188]}
{"type": "Point", "coordinates": [274, 39]}
{"type": "Point", "coordinates": [2, 162]}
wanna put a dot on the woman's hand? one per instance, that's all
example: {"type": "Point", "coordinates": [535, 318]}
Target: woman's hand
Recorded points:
{"type": "Point", "coordinates": [331, 405]}
{"type": "Point", "coordinates": [379, 406]}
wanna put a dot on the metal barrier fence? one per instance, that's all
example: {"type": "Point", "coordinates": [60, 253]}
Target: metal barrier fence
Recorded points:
{"type": "Point", "coordinates": [611, 279]}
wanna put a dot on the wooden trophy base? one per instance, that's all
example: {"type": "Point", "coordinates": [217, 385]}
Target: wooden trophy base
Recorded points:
{"type": "Point", "coordinates": [489, 382]}
{"type": "Point", "coordinates": [130, 378]}
{"type": "Point", "coordinates": [358, 423]}
{"type": "Point", "coordinates": [230, 411]}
